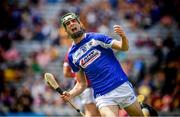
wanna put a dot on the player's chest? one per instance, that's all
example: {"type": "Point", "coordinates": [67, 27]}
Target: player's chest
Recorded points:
{"type": "Point", "coordinates": [86, 55]}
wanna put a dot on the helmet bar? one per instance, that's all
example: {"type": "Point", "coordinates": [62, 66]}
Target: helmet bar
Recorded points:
{"type": "Point", "coordinates": [68, 17]}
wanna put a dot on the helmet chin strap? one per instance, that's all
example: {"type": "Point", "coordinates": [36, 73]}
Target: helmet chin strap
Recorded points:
{"type": "Point", "coordinates": [77, 34]}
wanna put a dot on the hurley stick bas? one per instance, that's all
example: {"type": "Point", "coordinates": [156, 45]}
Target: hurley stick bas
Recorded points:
{"type": "Point", "coordinates": [49, 78]}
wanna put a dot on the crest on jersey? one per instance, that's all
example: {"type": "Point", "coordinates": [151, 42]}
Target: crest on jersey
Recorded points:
{"type": "Point", "coordinates": [83, 49]}
{"type": "Point", "coordinates": [89, 58]}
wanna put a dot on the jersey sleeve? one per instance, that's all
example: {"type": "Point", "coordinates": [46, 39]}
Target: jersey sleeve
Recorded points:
{"type": "Point", "coordinates": [104, 41]}
{"type": "Point", "coordinates": [74, 67]}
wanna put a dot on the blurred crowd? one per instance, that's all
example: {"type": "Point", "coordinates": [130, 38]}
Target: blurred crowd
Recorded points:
{"type": "Point", "coordinates": [32, 42]}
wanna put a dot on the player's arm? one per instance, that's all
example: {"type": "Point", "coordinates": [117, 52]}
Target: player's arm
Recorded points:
{"type": "Point", "coordinates": [80, 86]}
{"type": "Point", "coordinates": [122, 44]}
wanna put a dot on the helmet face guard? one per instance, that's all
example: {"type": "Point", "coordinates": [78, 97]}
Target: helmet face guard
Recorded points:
{"type": "Point", "coordinates": [67, 17]}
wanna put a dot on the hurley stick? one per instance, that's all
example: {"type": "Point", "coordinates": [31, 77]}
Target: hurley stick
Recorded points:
{"type": "Point", "coordinates": [49, 78]}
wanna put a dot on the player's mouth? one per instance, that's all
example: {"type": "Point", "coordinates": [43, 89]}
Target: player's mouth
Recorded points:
{"type": "Point", "coordinates": [74, 29]}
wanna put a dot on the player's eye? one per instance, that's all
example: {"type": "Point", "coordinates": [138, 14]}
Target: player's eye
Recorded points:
{"type": "Point", "coordinates": [67, 23]}
{"type": "Point", "coordinates": [73, 20]}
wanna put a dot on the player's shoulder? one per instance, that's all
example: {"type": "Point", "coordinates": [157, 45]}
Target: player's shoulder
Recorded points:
{"type": "Point", "coordinates": [94, 34]}
{"type": "Point", "coordinates": [70, 50]}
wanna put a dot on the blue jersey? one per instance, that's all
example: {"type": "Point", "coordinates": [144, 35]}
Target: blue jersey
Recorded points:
{"type": "Point", "coordinates": [95, 57]}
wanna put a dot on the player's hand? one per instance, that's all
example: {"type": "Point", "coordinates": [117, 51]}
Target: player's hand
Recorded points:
{"type": "Point", "coordinates": [66, 96]}
{"type": "Point", "coordinates": [118, 30]}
